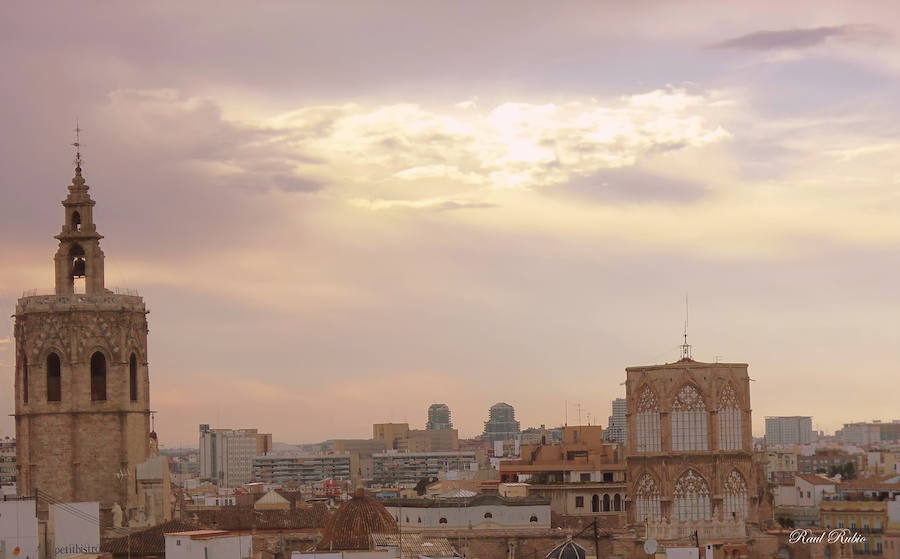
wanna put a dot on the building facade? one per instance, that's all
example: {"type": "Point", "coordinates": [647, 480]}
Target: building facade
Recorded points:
{"type": "Point", "coordinates": [226, 455]}
{"type": "Point", "coordinates": [301, 469]}
{"type": "Point", "coordinates": [793, 430]}
{"type": "Point", "coordinates": [781, 466]}
{"type": "Point", "coordinates": [478, 512]}
{"type": "Point", "coordinates": [616, 429]}
{"type": "Point", "coordinates": [873, 433]}
{"type": "Point", "coordinates": [439, 417]}
{"type": "Point", "coordinates": [406, 469]}
{"type": "Point", "coordinates": [8, 462]}
{"type": "Point", "coordinates": [581, 475]}
{"type": "Point", "coordinates": [827, 461]}
{"type": "Point", "coordinates": [501, 424]}
{"type": "Point", "coordinates": [82, 392]}
{"type": "Point", "coordinates": [689, 450]}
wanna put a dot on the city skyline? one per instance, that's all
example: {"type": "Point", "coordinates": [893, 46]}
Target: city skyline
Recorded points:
{"type": "Point", "coordinates": [503, 220]}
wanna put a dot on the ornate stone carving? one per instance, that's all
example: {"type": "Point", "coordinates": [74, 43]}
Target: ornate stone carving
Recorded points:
{"type": "Point", "coordinates": [647, 401]}
{"type": "Point", "coordinates": [727, 398]}
{"type": "Point", "coordinates": [688, 399]}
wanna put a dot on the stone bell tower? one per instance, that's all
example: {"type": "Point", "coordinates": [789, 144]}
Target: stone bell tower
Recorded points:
{"type": "Point", "coordinates": [82, 385]}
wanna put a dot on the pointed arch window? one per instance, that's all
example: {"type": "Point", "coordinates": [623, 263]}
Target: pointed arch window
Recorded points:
{"type": "Point", "coordinates": [690, 430]}
{"type": "Point", "coordinates": [98, 377]}
{"type": "Point", "coordinates": [647, 499]}
{"type": "Point", "coordinates": [133, 378]}
{"type": "Point", "coordinates": [647, 422]}
{"type": "Point", "coordinates": [617, 503]}
{"type": "Point", "coordinates": [729, 420]}
{"type": "Point", "coordinates": [607, 504]}
{"type": "Point", "coordinates": [692, 497]}
{"type": "Point", "coordinates": [735, 502]}
{"type": "Point", "coordinates": [54, 378]}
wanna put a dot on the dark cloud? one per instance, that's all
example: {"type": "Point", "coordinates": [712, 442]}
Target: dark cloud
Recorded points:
{"type": "Point", "coordinates": [632, 185]}
{"type": "Point", "coordinates": [804, 38]}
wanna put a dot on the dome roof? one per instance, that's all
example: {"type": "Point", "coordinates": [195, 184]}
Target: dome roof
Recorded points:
{"type": "Point", "coordinates": [567, 550]}
{"type": "Point", "coordinates": [351, 526]}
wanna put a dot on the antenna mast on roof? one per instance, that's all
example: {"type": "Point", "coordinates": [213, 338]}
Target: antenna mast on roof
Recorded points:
{"type": "Point", "coordinates": [685, 347]}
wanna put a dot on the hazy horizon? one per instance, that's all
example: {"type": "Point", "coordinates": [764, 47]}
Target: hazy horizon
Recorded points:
{"type": "Point", "coordinates": [340, 213]}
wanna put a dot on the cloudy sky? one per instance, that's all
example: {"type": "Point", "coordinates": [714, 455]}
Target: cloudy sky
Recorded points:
{"type": "Point", "coordinates": [341, 212]}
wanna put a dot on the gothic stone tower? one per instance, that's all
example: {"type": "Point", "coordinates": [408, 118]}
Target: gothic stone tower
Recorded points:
{"type": "Point", "coordinates": [81, 387]}
{"type": "Point", "coordinates": [689, 445]}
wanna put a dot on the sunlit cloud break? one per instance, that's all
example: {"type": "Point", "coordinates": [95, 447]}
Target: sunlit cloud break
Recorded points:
{"type": "Point", "coordinates": [408, 155]}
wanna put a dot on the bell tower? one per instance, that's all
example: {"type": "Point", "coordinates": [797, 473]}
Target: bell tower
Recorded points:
{"type": "Point", "coordinates": [82, 386]}
{"type": "Point", "coordinates": [79, 254]}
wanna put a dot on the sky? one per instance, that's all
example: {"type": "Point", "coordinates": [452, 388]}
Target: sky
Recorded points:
{"type": "Point", "coordinates": [339, 213]}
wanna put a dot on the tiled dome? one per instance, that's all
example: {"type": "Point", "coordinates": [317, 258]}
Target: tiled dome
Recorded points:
{"type": "Point", "coordinates": [567, 550]}
{"type": "Point", "coordinates": [351, 526]}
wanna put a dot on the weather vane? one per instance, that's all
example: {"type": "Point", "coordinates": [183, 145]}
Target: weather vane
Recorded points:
{"type": "Point", "coordinates": [77, 145]}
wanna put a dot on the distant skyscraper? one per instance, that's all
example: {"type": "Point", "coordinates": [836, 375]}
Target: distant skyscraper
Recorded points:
{"type": "Point", "coordinates": [795, 429]}
{"type": "Point", "coordinates": [438, 418]}
{"type": "Point", "coordinates": [501, 424]}
{"type": "Point", "coordinates": [616, 430]}
{"type": "Point", "coordinates": [226, 455]}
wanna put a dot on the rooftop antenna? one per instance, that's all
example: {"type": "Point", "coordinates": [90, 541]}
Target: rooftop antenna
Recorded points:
{"type": "Point", "coordinates": [686, 347]}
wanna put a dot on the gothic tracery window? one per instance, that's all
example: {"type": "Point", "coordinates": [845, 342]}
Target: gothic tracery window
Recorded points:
{"type": "Point", "coordinates": [691, 497]}
{"type": "Point", "coordinates": [647, 422]}
{"type": "Point", "coordinates": [647, 499]}
{"type": "Point", "coordinates": [689, 421]}
{"type": "Point", "coordinates": [729, 420]}
{"type": "Point", "coordinates": [735, 503]}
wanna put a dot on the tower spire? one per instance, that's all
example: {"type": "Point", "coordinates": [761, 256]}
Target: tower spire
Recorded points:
{"type": "Point", "coordinates": [77, 145]}
{"type": "Point", "coordinates": [79, 254]}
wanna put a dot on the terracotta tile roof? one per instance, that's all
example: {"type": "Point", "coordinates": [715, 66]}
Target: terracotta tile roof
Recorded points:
{"type": "Point", "coordinates": [151, 541]}
{"type": "Point", "coordinates": [816, 479]}
{"type": "Point", "coordinates": [417, 545]}
{"type": "Point", "coordinates": [352, 525]}
{"type": "Point", "coordinates": [886, 482]}
{"type": "Point", "coordinates": [312, 516]}
{"type": "Point", "coordinates": [482, 499]}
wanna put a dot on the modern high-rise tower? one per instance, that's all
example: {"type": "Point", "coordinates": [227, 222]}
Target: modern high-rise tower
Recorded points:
{"type": "Point", "coordinates": [439, 418]}
{"type": "Point", "coordinates": [616, 430]}
{"type": "Point", "coordinates": [501, 424]}
{"type": "Point", "coordinates": [82, 394]}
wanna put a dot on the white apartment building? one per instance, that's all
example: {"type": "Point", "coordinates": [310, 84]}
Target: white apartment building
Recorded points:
{"type": "Point", "coordinates": [208, 544]}
{"type": "Point", "coordinates": [408, 468]}
{"type": "Point", "coordinates": [226, 455]}
{"type": "Point", "coordinates": [301, 468]}
{"type": "Point", "coordinates": [789, 430]}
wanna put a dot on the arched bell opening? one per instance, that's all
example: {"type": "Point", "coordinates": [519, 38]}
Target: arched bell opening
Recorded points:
{"type": "Point", "coordinates": [78, 268]}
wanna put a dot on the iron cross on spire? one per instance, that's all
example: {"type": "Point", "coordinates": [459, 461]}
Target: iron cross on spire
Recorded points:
{"type": "Point", "coordinates": [77, 146]}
